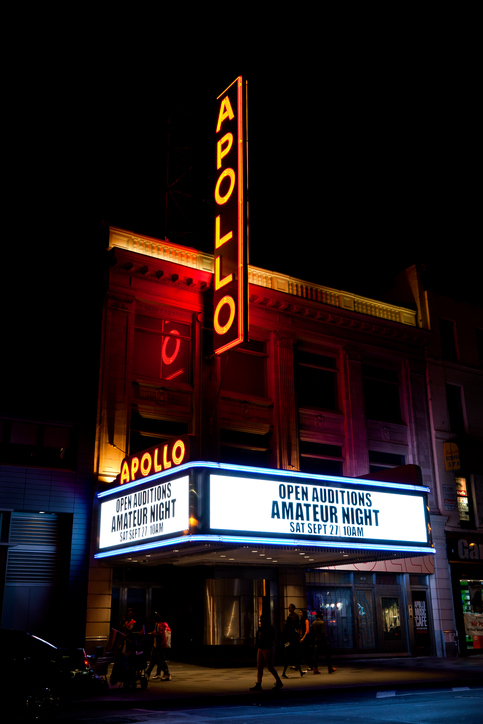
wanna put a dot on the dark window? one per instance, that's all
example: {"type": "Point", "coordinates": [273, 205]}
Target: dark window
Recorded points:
{"type": "Point", "coordinates": [147, 432]}
{"type": "Point", "coordinates": [37, 445]}
{"type": "Point", "coordinates": [244, 369]}
{"type": "Point", "coordinates": [381, 394]}
{"type": "Point", "coordinates": [479, 345]}
{"type": "Point", "coordinates": [382, 460]}
{"type": "Point", "coordinates": [245, 448]}
{"type": "Point", "coordinates": [316, 380]}
{"type": "Point", "coordinates": [161, 349]}
{"type": "Point", "coordinates": [319, 458]}
{"type": "Point", "coordinates": [454, 398]}
{"type": "Point", "coordinates": [447, 332]}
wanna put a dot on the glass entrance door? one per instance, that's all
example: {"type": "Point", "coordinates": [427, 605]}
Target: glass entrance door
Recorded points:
{"type": "Point", "coordinates": [390, 624]}
{"type": "Point", "coordinates": [365, 622]}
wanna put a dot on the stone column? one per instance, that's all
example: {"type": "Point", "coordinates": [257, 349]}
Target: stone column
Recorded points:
{"type": "Point", "coordinates": [285, 404]}
{"type": "Point", "coordinates": [357, 456]}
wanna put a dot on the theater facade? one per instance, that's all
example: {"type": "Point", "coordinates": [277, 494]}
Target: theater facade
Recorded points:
{"type": "Point", "coordinates": [294, 468]}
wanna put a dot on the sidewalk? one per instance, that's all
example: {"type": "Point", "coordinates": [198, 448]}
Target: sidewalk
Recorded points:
{"type": "Point", "coordinates": [197, 686]}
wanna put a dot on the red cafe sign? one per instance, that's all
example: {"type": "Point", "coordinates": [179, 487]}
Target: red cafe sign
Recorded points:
{"type": "Point", "coordinates": [230, 316]}
{"type": "Point", "coordinates": [154, 460]}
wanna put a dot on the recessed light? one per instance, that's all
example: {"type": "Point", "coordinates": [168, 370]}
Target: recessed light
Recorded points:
{"type": "Point", "coordinates": [222, 556]}
{"type": "Point", "coordinates": [254, 551]}
{"type": "Point", "coordinates": [262, 554]}
{"type": "Point", "coordinates": [268, 558]}
{"type": "Point", "coordinates": [231, 559]}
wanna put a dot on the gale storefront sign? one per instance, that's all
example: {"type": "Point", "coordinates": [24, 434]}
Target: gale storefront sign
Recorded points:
{"type": "Point", "coordinates": [272, 507]}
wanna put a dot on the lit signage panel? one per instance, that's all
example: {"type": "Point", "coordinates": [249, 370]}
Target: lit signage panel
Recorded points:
{"type": "Point", "coordinates": [312, 511]}
{"type": "Point", "coordinates": [230, 307]}
{"type": "Point", "coordinates": [142, 513]}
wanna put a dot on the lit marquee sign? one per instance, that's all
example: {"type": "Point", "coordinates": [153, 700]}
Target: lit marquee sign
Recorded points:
{"type": "Point", "coordinates": [141, 514]}
{"type": "Point", "coordinates": [230, 316]}
{"type": "Point", "coordinates": [272, 507]}
{"type": "Point", "coordinates": [201, 502]}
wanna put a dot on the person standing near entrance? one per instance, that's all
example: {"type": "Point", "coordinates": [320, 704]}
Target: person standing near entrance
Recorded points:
{"type": "Point", "coordinates": [321, 643]}
{"type": "Point", "coordinates": [158, 653]}
{"type": "Point", "coordinates": [266, 653]}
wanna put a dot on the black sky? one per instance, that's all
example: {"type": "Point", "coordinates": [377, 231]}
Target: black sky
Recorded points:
{"type": "Point", "coordinates": [362, 159]}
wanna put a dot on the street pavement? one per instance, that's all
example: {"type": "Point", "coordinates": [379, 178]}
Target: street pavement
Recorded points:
{"type": "Point", "coordinates": [193, 686]}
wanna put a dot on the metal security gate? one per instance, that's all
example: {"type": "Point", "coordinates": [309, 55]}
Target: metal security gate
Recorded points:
{"type": "Point", "coordinates": [37, 572]}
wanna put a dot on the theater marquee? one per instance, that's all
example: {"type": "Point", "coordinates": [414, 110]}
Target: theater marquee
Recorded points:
{"type": "Point", "coordinates": [316, 511]}
{"type": "Point", "coordinates": [202, 506]}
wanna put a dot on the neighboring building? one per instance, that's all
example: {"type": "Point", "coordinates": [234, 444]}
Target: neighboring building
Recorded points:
{"type": "Point", "coordinates": [455, 388]}
{"type": "Point", "coordinates": [46, 488]}
{"type": "Point", "coordinates": [330, 383]}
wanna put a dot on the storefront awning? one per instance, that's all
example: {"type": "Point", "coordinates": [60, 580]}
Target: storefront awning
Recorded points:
{"type": "Point", "coordinates": [215, 513]}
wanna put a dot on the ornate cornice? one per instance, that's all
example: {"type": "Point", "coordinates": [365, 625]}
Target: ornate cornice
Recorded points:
{"type": "Point", "coordinates": [284, 293]}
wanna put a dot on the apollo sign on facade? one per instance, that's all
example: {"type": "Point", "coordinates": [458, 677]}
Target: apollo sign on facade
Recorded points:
{"type": "Point", "coordinates": [230, 308]}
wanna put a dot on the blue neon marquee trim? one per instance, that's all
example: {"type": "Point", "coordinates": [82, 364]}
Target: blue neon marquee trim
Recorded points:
{"type": "Point", "coordinates": [264, 541]}
{"type": "Point", "coordinates": [268, 472]}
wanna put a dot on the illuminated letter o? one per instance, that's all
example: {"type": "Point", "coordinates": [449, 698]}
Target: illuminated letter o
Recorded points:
{"type": "Point", "coordinates": [177, 459]}
{"type": "Point", "coordinates": [167, 360]}
{"type": "Point", "coordinates": [146, 463]}
{"type": "Point", "coordinates": [220, 200]}
{"type": "Point", "coordinates": [231, 303]}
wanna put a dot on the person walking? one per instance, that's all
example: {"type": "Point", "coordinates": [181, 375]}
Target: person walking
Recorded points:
{"type": "Point", "coordinates": [321, 644]}
{"type": "Point", "coordinates": [305, 654]}
{"type": "Point", "coordinates": [158, 653]}
{"type": "Point", "coordinates": [291, 638]}
{"type": "Point", "coordinates": [266, 653]}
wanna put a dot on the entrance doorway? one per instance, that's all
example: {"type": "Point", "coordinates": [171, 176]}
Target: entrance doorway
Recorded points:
{"type": "Point", "coordinates": [390, 623]}
{"type": "Point", "coordinates": [365, 619]}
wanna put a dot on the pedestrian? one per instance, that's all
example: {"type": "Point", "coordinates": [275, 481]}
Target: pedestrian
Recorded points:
{"type": "Point", "coordinates": [321, 644]}
{"type": "Point", "coordinates": [158, 652]}
{"type": "Point", "coordinates": [291, 638]}
{"type": "Point", "coordinates": [127, 629]}
{"type": "Point", "coordinates": [305, 657]}
{"type": "Point", "coordinates": [266, 653]}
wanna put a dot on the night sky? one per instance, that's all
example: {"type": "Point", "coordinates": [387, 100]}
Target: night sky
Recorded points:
{"type": "Point", "coordinates": [361, 163]}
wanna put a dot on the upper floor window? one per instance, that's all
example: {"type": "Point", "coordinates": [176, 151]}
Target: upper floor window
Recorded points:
{"type": "Point", "coordinates": [145, 432]}
{"type": "Point", "coordinates": [162, 349]}
{"type": "Point", "coordinates": [454, 399]}
{"type": "Point", "coordinates": [37, 444]}
{"type": "Point", "coordinates": [244, 369]}
{"type": "Point", "coordinates": [479, 345]}
{"type": "Point", "coordinates": [447, 333]}
{"type": "Point", "coordinates": [316, 379]}
{"type": "Point", "coordinates": [245, 448]}
{"type": "Point", "coordinates": [381, 393]}
{"type": "Point", "coordinates": [382, 460]}
{"type": "Point", "coordinates": [320, 458]}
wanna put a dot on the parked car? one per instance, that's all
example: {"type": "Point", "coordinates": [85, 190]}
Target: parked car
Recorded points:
{"type": "Point", "coordinates": [36, 676]}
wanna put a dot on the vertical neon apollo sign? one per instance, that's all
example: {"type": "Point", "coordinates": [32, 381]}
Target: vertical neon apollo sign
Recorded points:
{"type": "Point", "coordinates": [230, 316]}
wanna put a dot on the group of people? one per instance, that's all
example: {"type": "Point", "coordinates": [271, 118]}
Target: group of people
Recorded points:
{"type": "Point", "coordinates": [160, 644]}
{"type": "Point", "coordinates": [302, 643]}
